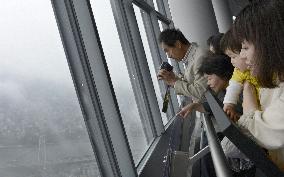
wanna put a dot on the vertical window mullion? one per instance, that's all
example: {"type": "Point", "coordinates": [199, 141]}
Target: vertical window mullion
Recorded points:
{"type": "Point", "coordinates": [137, 64]}
{"type": "Point", "coordinates": [163, 7]}
{"type": "Point", "coordinates": [152, 30]}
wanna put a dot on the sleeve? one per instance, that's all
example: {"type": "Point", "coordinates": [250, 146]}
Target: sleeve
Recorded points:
{"type": "Point", "coordinates": [233, 92]}
{"type": "Point", "coordinates": [197, 87]}
{"type": "Point", "coordinates": [267, 126]}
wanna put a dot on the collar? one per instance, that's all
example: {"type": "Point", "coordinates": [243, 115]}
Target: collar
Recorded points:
{"type": "Point", "coordinates": [190, 51]}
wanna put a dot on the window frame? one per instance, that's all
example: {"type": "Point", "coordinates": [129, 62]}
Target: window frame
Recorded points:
{"type": "Point", "coordinates": [152, 29]}
{"type": "Point", "coordinates": [137, 66]}
{"type": "Point", "coordinates": [93, 87]}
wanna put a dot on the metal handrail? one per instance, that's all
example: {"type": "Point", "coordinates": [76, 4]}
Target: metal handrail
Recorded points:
{"type": "Point", "coordinates": [219, 160]}
{"type": "Point", "coordinates": [246, 145]}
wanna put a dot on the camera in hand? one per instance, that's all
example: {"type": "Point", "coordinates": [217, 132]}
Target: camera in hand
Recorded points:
{"type": "Point", "coordinates": [168, 67]}
{"type": "Point", "coordinates": [165, 65]}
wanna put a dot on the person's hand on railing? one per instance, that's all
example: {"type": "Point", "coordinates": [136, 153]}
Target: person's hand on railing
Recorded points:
{"type": "Point", "coordinates": [189, 108]}
{"type": "Point", "coordinates": [231, 112]}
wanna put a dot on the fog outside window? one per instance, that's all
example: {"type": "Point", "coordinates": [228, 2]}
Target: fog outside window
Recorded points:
{"type": "Point", "coordinates": [42, 130]}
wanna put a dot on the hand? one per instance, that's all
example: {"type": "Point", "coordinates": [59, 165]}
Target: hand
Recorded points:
{"type": "Point", "coordinates": [169, 77]}
{"type": "Point", "coordinates": [187, 110]}
{"type": "Point", "coordinates": [250, 99]}
{"type": "Point", "coordinates": [229, 109]}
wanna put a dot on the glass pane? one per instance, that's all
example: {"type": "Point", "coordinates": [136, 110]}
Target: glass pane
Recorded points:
{"type": "Point", "coordinates": [42, 131]}
{"type": "Point", "coordinates": [160, 25]}
{"type": "Point", "coordinates": [156, 5]}
{"type": "Point", "coordinates": [120, 78]}
{"type": "Point", "coordinates": [150, 61]}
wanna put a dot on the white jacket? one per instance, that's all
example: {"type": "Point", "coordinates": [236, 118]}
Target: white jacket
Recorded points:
{"type": "Point", "coordinates": [194, 84]}
{"type": "Point", "coordinates": [267, 125]}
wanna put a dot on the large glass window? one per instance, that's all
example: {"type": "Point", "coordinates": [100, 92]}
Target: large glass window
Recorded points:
{"type": "Point", "coordinates": [120, 77]}
{"type": "Point", "coordinates": [149, 60]}
{"type": "Point", "coordinates": [42, 131]}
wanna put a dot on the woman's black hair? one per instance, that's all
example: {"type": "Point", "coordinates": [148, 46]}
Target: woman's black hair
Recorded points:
{"type": "Point", "coordinates": [217, 64]}
{"type": "Point", "coordinates": [261, 23]}
{"type": "Point", "coordinates": [214, 41]}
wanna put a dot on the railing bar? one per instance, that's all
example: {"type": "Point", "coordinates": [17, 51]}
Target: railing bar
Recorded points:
{"type": "Point", "coordinates": [219, 160]}
{"type": "Point", "coordinates": [199, 154]}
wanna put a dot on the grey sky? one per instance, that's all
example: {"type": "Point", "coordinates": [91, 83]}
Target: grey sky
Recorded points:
{"type": "Point", "coordinates": [30, 43]}
{"type": "Point", "coordinates": [34, 75]}
{"type": "Point", "coordinates": [38, 104]}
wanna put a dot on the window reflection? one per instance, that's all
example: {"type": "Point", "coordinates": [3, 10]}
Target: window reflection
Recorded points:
{"type": "Point", "coordinates": [120, 78]}
{"type": "Point", "coordinates": [42, 131]}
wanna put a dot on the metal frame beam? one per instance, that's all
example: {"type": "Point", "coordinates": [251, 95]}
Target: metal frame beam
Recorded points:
{"type": "Point", "coordinates": [93, 87]}
{"type": "Point", "coordinates": [222, 168]}
{"type": "Point", "coordinates": [137, 67]}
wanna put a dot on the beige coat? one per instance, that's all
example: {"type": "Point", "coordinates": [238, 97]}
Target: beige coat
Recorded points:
{"type": "Point", "coordinates": [193, 84]}
{"type": "Point", "coordinates": [267, 126]}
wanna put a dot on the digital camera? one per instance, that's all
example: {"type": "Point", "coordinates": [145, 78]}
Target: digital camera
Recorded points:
{"type": "Point", "coordinates": [165, 65]}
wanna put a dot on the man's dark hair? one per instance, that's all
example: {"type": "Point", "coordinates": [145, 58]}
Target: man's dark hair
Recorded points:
{"type": "Point", "coordinates": [217, 64]}
{"type": "Point", "coordinates": [171, 36]}
{"type": "Point", "coordinates": [261, 23]}
{"type": "Point", "coordinates": [214, 41]}
{"type": "Point", "coordinates": [230, 42]}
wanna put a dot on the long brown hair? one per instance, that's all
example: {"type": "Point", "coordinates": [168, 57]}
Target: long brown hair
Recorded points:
{"type": "Point", "coordinates": [262, 24]}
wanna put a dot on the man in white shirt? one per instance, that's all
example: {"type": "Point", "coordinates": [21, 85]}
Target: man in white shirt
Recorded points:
{"type": "Point", "coordinates": [177, 47]}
